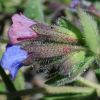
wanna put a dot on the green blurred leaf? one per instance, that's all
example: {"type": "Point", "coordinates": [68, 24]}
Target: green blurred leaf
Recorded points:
{"type": "Point", "coordinates": [75, 71]}
{"type": "Point", "coordinates": [64, 1]}
{"type": "Point", "coordinates": [97, 5]}
{"type": "Point", "coordinates": [55, 90]}
{"type": "Point", "coordinates": [19, 81]}
{"type": "Point", "coordinates": [4, 1]}
{"type": "Point", "coordinates": [70, 93]}
{"type": "Point", "coordinates": [73, 97]}
{"type": "Point", "coordinates": [75, 59]}
{"type": "Point", "coordinates": [1, 52]}
{"type": "Point", "coordinates": [9, 10]}
{"type": "Point", "coordinates": [2, 86]}
{"type": "Point", "coordinates": [90, 31]}
{"type": "Point", "coordinates": [97, 71]}
{"type": "Point", "coordinates": [85, 82]}
{"type": "Point", "coordinates": [34, 10]}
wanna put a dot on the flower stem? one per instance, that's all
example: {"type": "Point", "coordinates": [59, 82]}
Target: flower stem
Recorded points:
{"type": "Point", "coordinates": [8, 83]}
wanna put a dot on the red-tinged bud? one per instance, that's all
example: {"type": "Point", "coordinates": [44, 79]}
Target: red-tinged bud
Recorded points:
{"type": "Point", "coordinates": [55, 33]}
{"type": "Point", "coordinates": [50, 50]}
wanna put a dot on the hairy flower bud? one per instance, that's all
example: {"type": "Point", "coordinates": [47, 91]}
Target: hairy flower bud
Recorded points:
{"type": "Point", "coordinates": [55, 33]}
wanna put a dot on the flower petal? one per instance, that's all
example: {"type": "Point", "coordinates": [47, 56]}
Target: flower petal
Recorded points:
{"type": "Point", "coordinates": [23, 20]}
{"type": "Point", "coordinates": [20, 29]}
{"type": "Point", "coordinates": [12, 59]}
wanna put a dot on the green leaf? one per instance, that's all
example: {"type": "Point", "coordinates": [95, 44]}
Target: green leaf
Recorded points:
{"type": "Point", "coordinates": [73, 97]}
{"type": "Point", "coordinates": [19, 81]}
{"type": "Point", "coordinates": [1, 52]}
{"type": "Point", "coordinates": [73, 59]}
{"type": "Point", "coordinates": [34, 10]}
{"type": "Point", "coordinates": [63, 22]}
{"type": "Point", "coordinates": [97, 71]}
{"type": "Point", "coordinates": [90, 31]}
{"type": "Point", "coordinates": [55, 90]}
{"type": "Point", "coordinates": [70, 93]}
{"type": "Point", "coordinates": [72, 69]}
{"type": "Point", "coordinates": [85, 82]}
{"type": "Point", "coordinates": [75, 71]}
{"type": "Point", "coordinates": [64, 91]}
{"type": "Point", "coordinates": [2, 86]}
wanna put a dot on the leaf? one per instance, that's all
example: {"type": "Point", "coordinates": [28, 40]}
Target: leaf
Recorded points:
{"type": "Point", "coordinates": [1, 52]}
{"type": "Point", "coordinates": [76, 71]}
{"type": "Point", "coordinates": [70, 93]}
{"type": "Point", "coordinates": [2, 86]}
{"type": "Point", "coordinates": [90, 31]}
{"type": "Point", "coordinates": [34, 10]}
{"type": "Point", "coordinates": [97, 71]}
{"type": "Point", "coordinates": [55, 90]}
{"type": "Point", "coordinates": [63, 92]}
{"type": "Point", "coordinates": [74, 60]}
{"type": "Point", "coordinates": [85, 82]}
{"type": "Point", "coordinates": [72, 97]}
{"type": "Point", "coordinates": [19, 81]}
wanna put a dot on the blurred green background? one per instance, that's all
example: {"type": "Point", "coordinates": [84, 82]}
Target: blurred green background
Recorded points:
{"type": "Point", "coordinates": [31, 86]}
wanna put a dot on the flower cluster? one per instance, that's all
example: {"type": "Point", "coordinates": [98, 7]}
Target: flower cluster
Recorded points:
{"type": "Point", "coordinates": [31, 41]}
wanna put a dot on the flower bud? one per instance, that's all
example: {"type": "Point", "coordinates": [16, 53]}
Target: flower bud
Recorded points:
{"type": "Point", "coordinates": [55, 33]}
{"type": "Point", "coordinates": [20, 29]}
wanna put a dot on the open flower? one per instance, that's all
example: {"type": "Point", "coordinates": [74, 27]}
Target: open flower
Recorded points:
{"type": "Point", "coordinates": [12, 59]}
{"type": "Point", "coordinates": [20, 29]}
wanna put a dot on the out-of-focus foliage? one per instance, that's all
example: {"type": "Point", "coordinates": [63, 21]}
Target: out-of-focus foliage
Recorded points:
{"type": "Point", "coordinates": [90, 29]}
{"type": "Point", "coordinates": [19, 81]}
{"type": "Point", "coordinates": [10, 6]}
{"type": "Point", "coordinates": [34, 10]}
{"type": "Point", "coordinates": [84, 22]}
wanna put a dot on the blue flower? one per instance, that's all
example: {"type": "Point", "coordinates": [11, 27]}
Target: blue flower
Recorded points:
{"type": "Point", "coordinates": [74, 3]}
{"type": "Point", "coordinates": [12, 59]}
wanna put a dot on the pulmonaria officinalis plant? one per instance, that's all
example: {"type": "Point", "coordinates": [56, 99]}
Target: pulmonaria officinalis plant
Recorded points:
{"type": "Point", "coordinates": [22, 49]}
{"type": "Point", "coordinates": [51, 47]}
